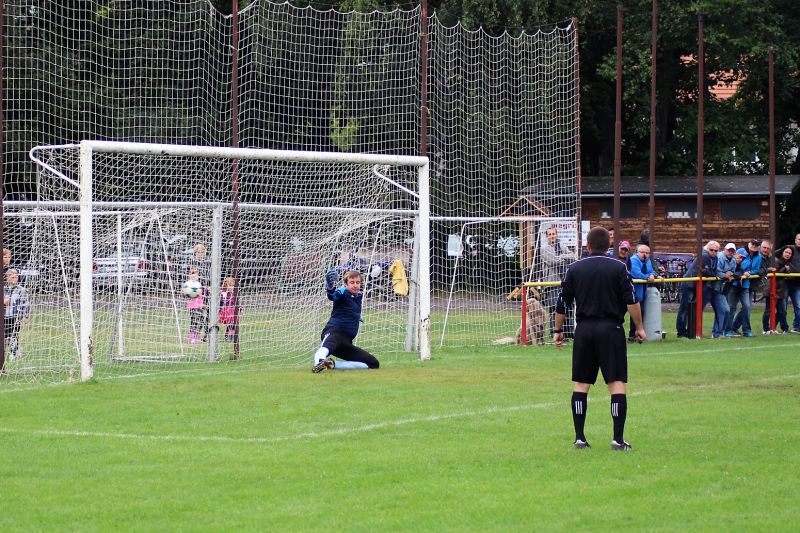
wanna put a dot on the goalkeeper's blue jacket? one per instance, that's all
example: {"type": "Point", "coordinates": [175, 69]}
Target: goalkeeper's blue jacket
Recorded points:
{"type": "Point", "coordinates": [346, 313]}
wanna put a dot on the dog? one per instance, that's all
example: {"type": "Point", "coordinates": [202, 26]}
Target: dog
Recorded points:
{"type": "Point", "coordinates": [535, 319]}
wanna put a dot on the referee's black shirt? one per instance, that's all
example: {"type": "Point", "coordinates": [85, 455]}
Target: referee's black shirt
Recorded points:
{"type": "Point", "coordinates": [601, 288]}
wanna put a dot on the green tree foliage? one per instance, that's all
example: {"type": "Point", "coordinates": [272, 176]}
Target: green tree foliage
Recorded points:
{"type": "Point", "coordinates": [738, 36]}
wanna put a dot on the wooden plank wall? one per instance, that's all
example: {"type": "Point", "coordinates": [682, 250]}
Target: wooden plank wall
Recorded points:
{"type": "Point", "coordinates": [678, 235]}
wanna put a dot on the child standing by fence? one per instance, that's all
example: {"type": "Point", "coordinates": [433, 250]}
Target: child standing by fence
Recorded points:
{"type": "Point", "coordinates": [17, 310]}
{"type": "Point", "coordinates": [227, 307]}
{"type": "Point", "coordinates": [197, 308]}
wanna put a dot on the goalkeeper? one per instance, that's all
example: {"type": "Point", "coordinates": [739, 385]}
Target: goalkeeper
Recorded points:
{"type": "Point", "coordinates": [342, 328]}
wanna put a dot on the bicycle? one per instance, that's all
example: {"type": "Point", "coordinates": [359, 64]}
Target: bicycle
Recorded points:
{"type": "Point", "coordinates": [671, 268]}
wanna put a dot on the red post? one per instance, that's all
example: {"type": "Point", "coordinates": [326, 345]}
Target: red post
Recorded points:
{"type": "Point", "coordinates": [524, 333]}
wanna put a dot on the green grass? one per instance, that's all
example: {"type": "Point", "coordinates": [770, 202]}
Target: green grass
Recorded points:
{"type": "Point", "coordinates": [475, 439]}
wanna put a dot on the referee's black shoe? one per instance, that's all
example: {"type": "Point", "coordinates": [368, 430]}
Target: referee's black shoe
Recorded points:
{"type": "Point", "coordinates": [581, 444]}
{"type": "Point", "coordinates": [621, 446]}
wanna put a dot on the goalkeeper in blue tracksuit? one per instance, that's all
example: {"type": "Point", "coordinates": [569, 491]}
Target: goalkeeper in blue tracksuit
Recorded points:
{"type": "Point", "coordinates": [342, 328]}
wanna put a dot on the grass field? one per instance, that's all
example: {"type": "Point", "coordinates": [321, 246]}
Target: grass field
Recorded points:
{"type": "Point", "coordinates": [473, 440]}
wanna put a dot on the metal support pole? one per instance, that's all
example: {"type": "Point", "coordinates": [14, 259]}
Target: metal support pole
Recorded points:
{"type": "Point", "coordinates": [701, 92]}
{"type": "Point", "coordinates": [652, 201]}
{"type": "Point", "coordinates": [773, 230]}
{"type": "Point", "coordinates": [618, 133]}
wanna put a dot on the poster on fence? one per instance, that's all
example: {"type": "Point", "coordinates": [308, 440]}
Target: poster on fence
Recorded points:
{"type": "Point", "coordinates": [566, 231]}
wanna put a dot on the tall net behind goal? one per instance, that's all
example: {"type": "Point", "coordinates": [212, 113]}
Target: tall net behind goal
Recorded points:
{"type": "Point", "coordinates": [159, 211]}
{"type": "Point", "coordinates": [505, 167]}
{"type": "Point", "coordinates": [501, 115]}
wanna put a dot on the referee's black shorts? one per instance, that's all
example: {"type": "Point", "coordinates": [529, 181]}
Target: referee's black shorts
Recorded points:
{"type": "Point", "coordinates": [599, 345]}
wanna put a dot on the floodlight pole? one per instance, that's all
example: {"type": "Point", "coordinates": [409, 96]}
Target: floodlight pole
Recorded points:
{"type": "Point", "coordinates": [701, 91]}
{"type": "Point", "coordinates": [773, 230]}
{"type": "Point", "coordinates": [652, 202]}
{"type": "Point", "coordinates": [618, 134]}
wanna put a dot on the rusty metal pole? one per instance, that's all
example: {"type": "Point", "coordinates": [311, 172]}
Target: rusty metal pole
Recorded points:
{"type": "Point", "coordinates": [773, 220]}
{"type": "Point", "coordinates": [235, 177]}
{"type": "Point", "coordinates": [773, 230]}
{"type": "Point", "coordinates": [652, 202]}
{"type": "Point", "coordinates": [618, 134]}
{"type": "Point", "coordinates": [701, 93]}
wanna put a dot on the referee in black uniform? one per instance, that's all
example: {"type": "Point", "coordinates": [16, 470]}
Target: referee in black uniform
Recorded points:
{"type": "Point", "coordinates": [602, 290]}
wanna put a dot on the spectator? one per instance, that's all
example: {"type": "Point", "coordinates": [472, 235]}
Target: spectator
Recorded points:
{"type": "Point", "coordinates": [624, 254]}
{"type": "Point", "coordinates": [793, 284]}
{"type": "Point", "coordinates": [200, 262]}
{"type": "Point", "coordinates": [767, 266]}
{"type": "Point", "coordinates": [707, 270]}
{"type": "Point", "coordinates": [17, 311]}
{"type": "Point", "coordinates": [644, 237]}
{"type": "Point", "coordinates": [641, 268]}
{"type": "Point", "coordinates": [6, 260]}
{"type": "Point", "coordinates": [196, 304]}
{"type": "Point", "coordinates": [739, 293]}
{"type": "Point", "coordinates": [782, 262]}
{"type": "Point", "coordinates": [556, 258]}
{"type": "Point", "coordinates": [751, 265]}
{"type": "Point", "coordinates": [726, 267]}
{"type": "Point", "coordinates": [227, 307]}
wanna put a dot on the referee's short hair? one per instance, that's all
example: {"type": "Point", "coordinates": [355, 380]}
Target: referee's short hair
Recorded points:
{"type": "Point", "coordinates": [598, 239]}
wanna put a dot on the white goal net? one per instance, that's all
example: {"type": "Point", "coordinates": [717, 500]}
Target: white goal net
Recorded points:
{"type": "Point", "coordinates": [258, 229]}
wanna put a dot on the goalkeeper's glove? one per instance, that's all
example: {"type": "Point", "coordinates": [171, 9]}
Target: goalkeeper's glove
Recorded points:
{"type": "Point", "coordinates": [331, 277]}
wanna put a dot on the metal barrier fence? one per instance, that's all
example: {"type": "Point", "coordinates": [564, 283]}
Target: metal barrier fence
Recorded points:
{"type": "Point", "coordinates": [664, 281]}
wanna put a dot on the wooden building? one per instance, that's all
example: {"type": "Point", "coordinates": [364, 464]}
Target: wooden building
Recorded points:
{"type": "Point", "coordinates": [735, 208]}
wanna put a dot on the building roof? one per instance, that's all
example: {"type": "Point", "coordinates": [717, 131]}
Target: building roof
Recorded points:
{"type": "Point", "coordinates": [713, 186]}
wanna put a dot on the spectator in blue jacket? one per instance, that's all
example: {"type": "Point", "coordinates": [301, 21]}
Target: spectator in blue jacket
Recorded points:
{"type": "Point", "coordinates": [726, 267]}
{"type": "Point", "coordinates": [641, 268]}
{"type": "Point", "coordinates": [743, 288]}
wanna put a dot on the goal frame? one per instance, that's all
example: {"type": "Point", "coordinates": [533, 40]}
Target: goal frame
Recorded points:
{"type": "Point", "coordinates": [87, 148]}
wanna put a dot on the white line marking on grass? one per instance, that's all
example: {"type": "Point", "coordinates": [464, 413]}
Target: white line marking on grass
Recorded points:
{"type": "Point", "coordinates": [720, 346]}
{"type": "Point", "coordinates": [341, 431]}
{"type": "Point", "coordinates": [280, 438]}
{"type": "Point", "coordinates": [344, 430]}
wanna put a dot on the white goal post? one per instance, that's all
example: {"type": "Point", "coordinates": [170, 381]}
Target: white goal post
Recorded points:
{"type": "Point", "coordinates": [329, 210]}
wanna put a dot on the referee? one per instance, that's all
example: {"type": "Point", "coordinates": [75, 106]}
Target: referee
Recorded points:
{"type": "Point", "coordinates": [602, 290]}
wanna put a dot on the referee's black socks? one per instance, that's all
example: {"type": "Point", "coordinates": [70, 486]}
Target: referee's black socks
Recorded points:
{"type": "Point", "coordinates": [619, 410]}
{"type": "Point", "coordinates": [579, 405]}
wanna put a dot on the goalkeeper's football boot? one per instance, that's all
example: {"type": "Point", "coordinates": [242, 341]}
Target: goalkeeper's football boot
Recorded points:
{"type": "Point", "coordinates": [621, 446]}
{"type": "Point", "coordinates": [325, 364]}
{"type": "Point", "coordinates": [581, 444]}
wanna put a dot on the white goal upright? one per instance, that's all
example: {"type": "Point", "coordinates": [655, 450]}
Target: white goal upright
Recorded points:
{"type": "Point", "coordinates": [133, 219]}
